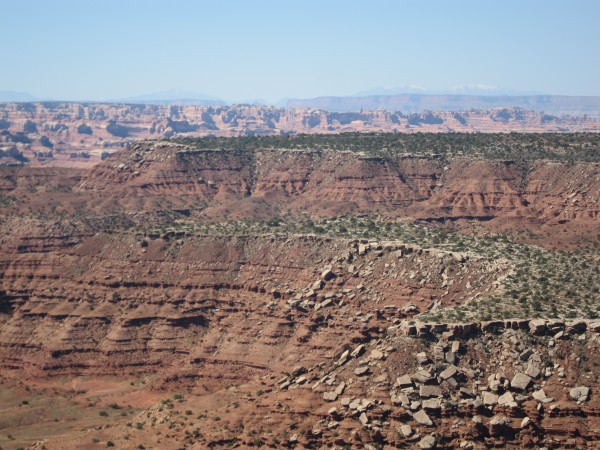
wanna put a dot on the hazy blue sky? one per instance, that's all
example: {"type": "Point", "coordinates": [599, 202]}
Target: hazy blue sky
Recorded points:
{"type": "Point", "coordinates": [98, 49]}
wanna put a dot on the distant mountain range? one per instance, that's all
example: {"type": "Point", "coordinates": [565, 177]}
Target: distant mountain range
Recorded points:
{"type": "Point", "coordinates": [463, 89]}
{"type": "Point", "coordinates": [13, 96]}
{"type": "Point", "coordinates": [407, 99]}
{"type": "Point", "coordinates": [415, 103]}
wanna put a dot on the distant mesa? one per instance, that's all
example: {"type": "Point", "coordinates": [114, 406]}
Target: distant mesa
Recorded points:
{"type": "Point", "coordinates": [417, 103]}
{"type": "Point", "coordinates": [82, 134]}
{"type": "Point", "coordinates": [463, 89]}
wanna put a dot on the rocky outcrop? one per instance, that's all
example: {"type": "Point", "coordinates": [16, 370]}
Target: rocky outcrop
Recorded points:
{"type": "Point", "coordinates": [502, 386]}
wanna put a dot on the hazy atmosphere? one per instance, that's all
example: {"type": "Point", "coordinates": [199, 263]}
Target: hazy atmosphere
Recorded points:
{"type": "Point", "coordinates": [270, 50]}
{"type": "Point", "coordinates": [299, 225]}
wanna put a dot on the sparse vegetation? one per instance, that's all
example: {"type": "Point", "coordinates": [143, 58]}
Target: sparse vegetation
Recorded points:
{"type": "Point", "coordinates": [584, 147]}
{"type": "Point", "coordinates": [543, 283]}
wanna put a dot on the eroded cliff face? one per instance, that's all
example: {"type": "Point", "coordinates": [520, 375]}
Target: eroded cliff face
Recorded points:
{"type": "Point", "coordinates": [76, 135]}
{"type": "Point", "coordinates": [178, 179]}
{"type": "Point", "coordinates": [103, 273]}
{"type": "Point", "coordinates": [95, 268]}
{"type": "Point", "coordinates": [105, 303]}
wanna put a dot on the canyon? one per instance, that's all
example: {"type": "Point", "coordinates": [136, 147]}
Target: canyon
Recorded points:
{"type": "Point", "coordinates": [353, 291]}
{"type": "Point", "coordinates": [80, 134]}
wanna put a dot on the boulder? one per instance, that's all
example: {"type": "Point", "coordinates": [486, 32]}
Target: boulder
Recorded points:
{"type": "Point", "coordinates": [317, 285]}
{"type": "Point", "coordinates": [361, 371]}
{"type": "Point", "coordinates": [406, 430]}
{"type": "Point", "coordinates": [429, 391]}
{"type": "Point", "coordinates": [449, 372]}
{"type": "Point", "coordinates": [450, 357]}
{"type": "Point", "coordinates": [409, 330]}
{"type": "Point", "coordinates": [577, 326]}
{"type": "Point", "coordinates": [541, 397]}
{"type": "Point", "coordinates": [343, 358]}
{"type": "Point", "coordinates": [330, 396]}
{"type": "Point", "coordinates": [363, 419]}
{"type": "Point", "coordinates": [401, 399]}
{"type": "Point", "coordinates": [499, 425]}
{"type": "Point", "coordinates": [464, 392]}
{"type": "Point", "coordinates": [537, 327]}
{"type": "Point", "coordinates": [422, 358]}
{"type": "Point", "coordinates": [580, 394]}
{"type": "Point", "coordinates": [422, 376]}
{"type": "Point", "coordinates": [489, 399]}
{"type": "Point", "coordinates": [452, 383]}
{"type": "Point", "coordinates": [594, 326]}
{"type": "Point", "coordinates": [520, 381]}
{"type": "Point", "coordinates": [432, 404]}
{"type": "Point", "coordinates": [358, 351]}
{"type": "Point", "coordinates": [506, 399]}
{"type": "Point", "coordinates": [559, 335]}
{"type": "Point", "coordinates": [327, 275]}
{"type": "Point", "coordinates": [533, 371]}
{"type": "Point", "coordinates": [422, 418]}
{"type": "Point", "coordinates": [525, 354]}
{"type": "Point", "coordinates": [381, 379]}
{"type": "Point", "coordinates": [494, 385]}
{"type": "Point", "coordinates": [427, 442]}
{"type": "Point", "coordinates": [354, 405]}
{"type": "Point", "coordinates": [404, 381]}
{"type": "Point", "coordinates": [376, 355]}
{"type": "Point", "coordinates": [324, 304]}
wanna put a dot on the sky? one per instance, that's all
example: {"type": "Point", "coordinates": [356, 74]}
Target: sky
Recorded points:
{"type": "Point", "coordinates": [245, 50]}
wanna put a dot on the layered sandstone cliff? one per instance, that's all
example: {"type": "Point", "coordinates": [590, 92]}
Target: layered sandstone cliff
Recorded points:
{"type": "Point", "coordinates": [166, 261]}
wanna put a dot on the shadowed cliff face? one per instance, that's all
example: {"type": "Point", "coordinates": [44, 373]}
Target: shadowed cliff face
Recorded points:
{"type": "Point", "coordinates": [107, 271]}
